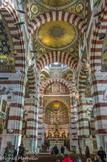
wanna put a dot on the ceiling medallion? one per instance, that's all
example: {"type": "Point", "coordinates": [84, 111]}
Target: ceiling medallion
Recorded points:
{"type": "Point", "coordinates": [56, 35]}
{"type": "Point", "coordinates": [57, 4]}
{"type": "Point", "coordinates": [34, 8]}
{"type": "Point", "coordinates": [56, 31]}
{"type": "Point", "coordinates": [72, 50]}
{"type": "Point", "coordinates": [79, 8]}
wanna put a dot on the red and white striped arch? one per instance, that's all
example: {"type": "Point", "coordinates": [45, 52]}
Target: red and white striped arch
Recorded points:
{"type": "Point", "coordinates": [100, 9]}
{"type": "Point", "coordinates": [80, 23]}
{"type": "Point", "coordinates": [8, 11]}
{"type": "Point", "coordinates": [57, 56]}
{"type": "Point", "coordinates": [55, 80]}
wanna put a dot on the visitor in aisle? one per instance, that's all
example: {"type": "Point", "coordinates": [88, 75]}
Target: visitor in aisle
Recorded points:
{"type": "Point", "coordinates": [87, 152]}
{"type": "Point", "coordinates": [67, 159]}
{"type": "Point", "coordinates": [21, 153]}
{"type": "Point", "coordinates": [56, 151]}
{"type": "Point", "coordinates": [97, 158]}
{"type": "Point", "coordinates": [102, 154]}
{"type": "Point", "coordinates": [62, 149]}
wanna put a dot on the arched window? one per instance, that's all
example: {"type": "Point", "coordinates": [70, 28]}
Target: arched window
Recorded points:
{"type": "Point", "coordinates": [92, 4]}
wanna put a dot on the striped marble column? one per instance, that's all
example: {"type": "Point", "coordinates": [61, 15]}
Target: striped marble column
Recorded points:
{"type": "Point", "coordinates": [39, 116]}
{"type": "Point", "coordinates": [73, 126]}
{"type": "Point", "coordinates": [15, 82]}
{"type": "Point", "coordinates": [84, 107]}
{"type": "Point", "coordinates": [29, 138]}
{"type": "Point", "coordinates": [99, 93]}
{"type": "Point", "coordinates": [40, 120]}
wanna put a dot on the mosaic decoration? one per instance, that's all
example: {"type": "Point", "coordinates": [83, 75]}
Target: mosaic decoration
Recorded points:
{"type": "Point", "coordinates": [34, 9]}
{"type": "Point", "coordinates": [72, 50]}
{"type": "Point", "coordinates": [6, 60]}
{"type": "Point", "coordinates": [42, 50]}
{"type": "Point", "coordinates": [56, 35]}
{"type": "Point", "coordinates": [56, 110]}
{"type": "Point", "coordinates": [56, 75]}
{"type": "Point", "coordinates": [87, 91]}
{"type": "Point", "coordinates": [4, 41]}
{"type": "Point", "coordinates": [66, 99]}
{"type": "Point", "coordinates": [4, 106]}
{"type": "Point", "coordinates": [73, 6]}
{"type": "Point", "coordinates": [104, 54]}
{"type": "Point", "coordinates": [27, 90]}
{"type": "Point", "coordinates": [54, 3]}
{"type": "Point", "coordinates": [56, 88]}
{"type": "Point", "coordinates": [6, 46]}
{"type": "Point", "coordinates": [79, 8]}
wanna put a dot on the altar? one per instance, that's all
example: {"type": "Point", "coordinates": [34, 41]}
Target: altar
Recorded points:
{"type": "Point", "coordinates": [56, 141]}
{"type": "Point", "coordinates": [55, 137]}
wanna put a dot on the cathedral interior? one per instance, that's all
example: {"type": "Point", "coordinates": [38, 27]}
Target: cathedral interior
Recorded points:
{"type": "Point", "coordinates": [53, 80]}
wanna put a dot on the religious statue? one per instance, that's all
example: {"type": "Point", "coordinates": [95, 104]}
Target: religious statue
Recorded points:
{"type": "Point", "coordinates": [56, 133]}
{"type": "Point", "coordinates": [49, 134]}
{"type": "Point", "coordinates": [63, 135]}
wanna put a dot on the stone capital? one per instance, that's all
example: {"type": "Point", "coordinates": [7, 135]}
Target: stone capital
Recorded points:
{"type": "Point", "coordinates": [17, 76]}
{"type": "Point", "coordinates": [98, 75]}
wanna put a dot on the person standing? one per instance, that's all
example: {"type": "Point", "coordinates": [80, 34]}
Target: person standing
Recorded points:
{"type": "Point", "coordinates": [56, 151]}
{"type": "Point", "coordinates": [97, 158]}
{"type": "Point", "coordinates": [14, 153]}
{"type": "Point", "coordinates": [62, 149]}
{"type": "Point", "coordinates": [8, 154]}
{"type": "Point", "coordinates": [21, 153]}
{"type": "Point", "coordinates": [102, 154]}
{"type": "Point", "coordinates": [78, 159]}
{"type": "Point", "coordinates": [67, 159]}
{"type": "Point", "coordinates": [87, 152]}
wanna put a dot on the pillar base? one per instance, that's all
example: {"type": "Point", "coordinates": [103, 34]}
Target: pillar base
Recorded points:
{"type": "Point", "coordinates": [6, 139]}
{"type": "Point", "coordinates": [30, 146]}
{"type": "Point", "coordinates": [90, 142]}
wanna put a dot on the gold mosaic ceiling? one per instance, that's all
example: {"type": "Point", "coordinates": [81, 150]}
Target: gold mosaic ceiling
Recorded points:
{"type": "Point", "coordinates": [38, 7]}
{"type": "Point", "coordinates": [56, 35]}
{"type": "Point", "coordinates": [55, 3]}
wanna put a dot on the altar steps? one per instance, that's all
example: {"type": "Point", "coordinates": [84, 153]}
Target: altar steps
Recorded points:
{"type": "Point", "coordinates": [53, 158]}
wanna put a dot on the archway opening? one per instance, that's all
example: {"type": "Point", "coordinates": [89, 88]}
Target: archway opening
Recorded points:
{"type": "Point", "coordinates": [55, 90]}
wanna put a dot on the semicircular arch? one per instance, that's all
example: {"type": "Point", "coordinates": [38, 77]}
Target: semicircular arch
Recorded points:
{"type": "Point", "coordinates": [57, 56]}
{"type": "Point", "coordinates": [55, 80]}
{"type": "Point", "coordinates": [57, 16]}
{"type": "Point", "coordinates": [56, 99]}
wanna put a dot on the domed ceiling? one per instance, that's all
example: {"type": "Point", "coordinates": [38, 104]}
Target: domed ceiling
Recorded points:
{"type": "Point", "coordinates": [38, 7]}
{"type": "Point", "coordinates": [56, 35]}
{"type": "Point", "coordinates": [55, 3]}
